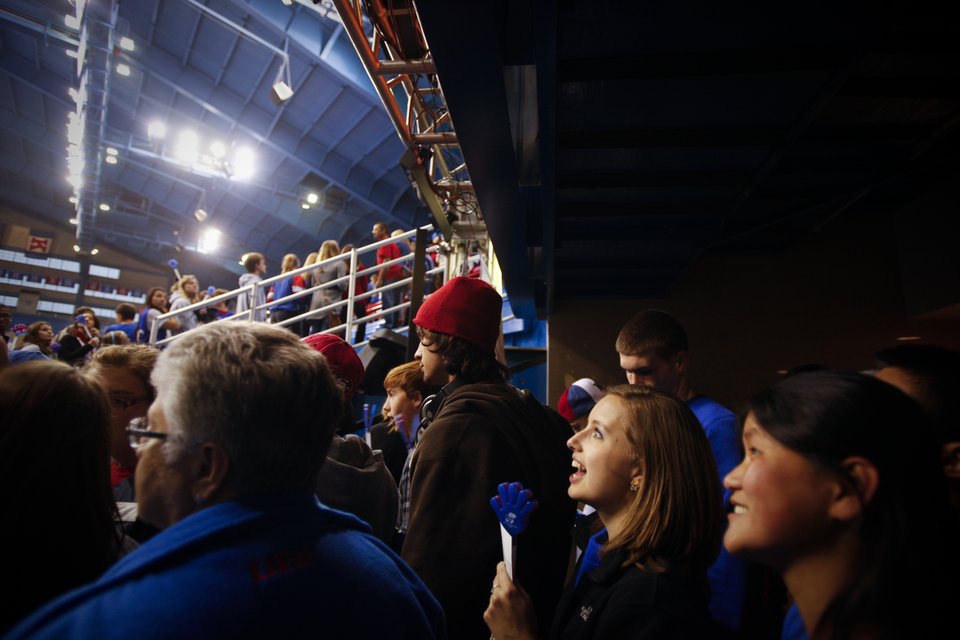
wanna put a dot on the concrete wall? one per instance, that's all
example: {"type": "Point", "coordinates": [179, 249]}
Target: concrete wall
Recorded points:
{"type": "Point", "coordinates": [834, 298]}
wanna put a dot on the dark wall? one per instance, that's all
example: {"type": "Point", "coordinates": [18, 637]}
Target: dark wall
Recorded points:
{"type": "Point", "coordinates": [834, 298]}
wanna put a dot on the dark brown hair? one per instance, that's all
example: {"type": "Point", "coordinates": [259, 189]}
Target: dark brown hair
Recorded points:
{"type": "Point", "coordinates": [54, 432]}
{"type": "Point", "coordinates": [468, 362]}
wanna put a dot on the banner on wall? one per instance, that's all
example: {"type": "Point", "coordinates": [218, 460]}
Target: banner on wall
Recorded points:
{"type": "Point", "coordinates": [38, 244]}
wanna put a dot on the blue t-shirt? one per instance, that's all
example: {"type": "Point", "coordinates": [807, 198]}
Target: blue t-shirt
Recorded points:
{"type": "Point", "coordinates": [727, 576]}
{"type": "Point", "coordinates": [129, 328]}
{"type": "Point", "coordinates": [793, 628]}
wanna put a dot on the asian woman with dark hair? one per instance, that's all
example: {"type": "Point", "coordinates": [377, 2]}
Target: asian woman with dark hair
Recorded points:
{"type": "Point", "coordinates": [840, 491]}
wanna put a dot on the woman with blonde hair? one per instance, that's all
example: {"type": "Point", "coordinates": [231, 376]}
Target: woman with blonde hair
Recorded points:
{"type": "Point", "coordinates": [287, 287]}
{"type": "Point", "coordinates": [323, 274]}
{"type": "Point", "coordinates": [644, 463]}
{"type": "Point", "coordinates": [185, 292]}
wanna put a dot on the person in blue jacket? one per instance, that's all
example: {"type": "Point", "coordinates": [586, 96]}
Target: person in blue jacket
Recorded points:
{"type": "Point", "coordinates": [653, 353]}
{"type": "Point", "coordinates": [228, 458]}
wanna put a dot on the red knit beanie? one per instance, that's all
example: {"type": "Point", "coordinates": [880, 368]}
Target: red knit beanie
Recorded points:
{"type": "Point", "coordinates": [343, 361]}
{"type": "Point", "coordinates": [466, 308]}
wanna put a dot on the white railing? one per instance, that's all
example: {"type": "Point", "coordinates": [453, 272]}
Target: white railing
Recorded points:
{"type": "Point", "coordinates": [345, 328]}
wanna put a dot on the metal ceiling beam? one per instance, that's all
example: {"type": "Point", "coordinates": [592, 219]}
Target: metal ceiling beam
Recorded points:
{"type": "Point", "coordinates": [256, 135]}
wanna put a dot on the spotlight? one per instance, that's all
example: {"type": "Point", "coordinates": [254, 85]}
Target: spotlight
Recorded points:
{"type": "Point", "coordinates": [76, 248]}
{"type": "Point", "coordinates": [188, 147]}
{"type": "Point", "coordinates": [72, 199]}
{"type": "Point", "coordinates": [95, 251]}
{"type": "Point", "coordinates": [74, 221]}
{"type": "Point", "coordinates": [104, 206]}
{"type": "Point", "coordinates": [209, 241]}
{"type": "Point", "coordinates": [123, 69]}
{"type": "Point", "coordinates": [281, 92]}
{"type": "Point", "coordinates": [312, 198]}
{"type": "Point", "coordinates": [126, 43]}
{"type": "Point", "coordinates": [304, 205]}
{"type": "Point", "coordinates": [111, 159]}
{"type": "Point", "coordinates": [111, 151]}
{"type": "Point", "coordinates": [200, 214]}
{"type": "Point", "coordinates": [157, 130]}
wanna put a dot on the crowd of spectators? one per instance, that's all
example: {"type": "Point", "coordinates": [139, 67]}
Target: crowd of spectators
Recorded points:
{"type": "Point", "coordinates": [217, 486]}
{"type": "Point", "coordinates": [314, 290]}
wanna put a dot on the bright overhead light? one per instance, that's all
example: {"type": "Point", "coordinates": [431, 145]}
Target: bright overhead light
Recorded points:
{"type": "Point", "coordinates": [157, 130]}
{"type": "Point", "coordinates": [111, 151]}
{"type": "Point", "coordinates": [218, 149]}
{"type": "Point", "coordinates": [76, 248]}
{"type": "Point", "coordinates": [244, 163]}
{"type": "Point", "coordinates": [71, 53]}
{"type": "Point", "coordinates": [304, 205]}
{"type": "Point", "coordinates": [312, 198]}
{"type": "Point", "coordinates": [95, 251]}
{"type": "Point", "coordinates": [71, 21]}
{"type": "Point", "coordinates": [188, 147]}
{"type": "Point", "coordinates": [74, 221]}
{"type": "Point", "coordinates": [123, 69]}
{"type": "Point", "coordinates": [72, 200]}
{"type": "Point", "coordinates": [209, 240]}
{"type": "Point", "coordinates": [104, 206]}
{"type": "Point", "coordinates": [126, 43]}
{"type": "Point", "coordinates": [111, 159]}
{"type": "Point", "coordinates": [287, 2]}
{"type": "Point", "coordinates": [200, 214]}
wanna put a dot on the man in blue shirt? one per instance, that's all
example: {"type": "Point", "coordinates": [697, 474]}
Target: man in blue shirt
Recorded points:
{"type": "Point", "coordinates": [653, 353]}
{"type": "Point", "coordinates": [126, 320]}
{"type": "Point", "coordinates": [229, 455]}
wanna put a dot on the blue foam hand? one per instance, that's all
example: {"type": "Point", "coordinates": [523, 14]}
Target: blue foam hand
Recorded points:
{"type": "Point", "coordinates": [172, 263]}
{"type": "Point", "coordinates": [211, 290]}
{"type": "Point", "coordinates": [513, 505]}
{"type": "Point", "coordinates": [82, 319]}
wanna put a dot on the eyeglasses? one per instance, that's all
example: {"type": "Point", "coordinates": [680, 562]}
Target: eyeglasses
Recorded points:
{"type": "Point", "coordinates": [139, 433]}
{"type": "Point", "coordinates": [125, 403]}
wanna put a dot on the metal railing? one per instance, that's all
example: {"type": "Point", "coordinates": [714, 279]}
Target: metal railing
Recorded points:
{"type": "Point", "coordinates": [349, 301]}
